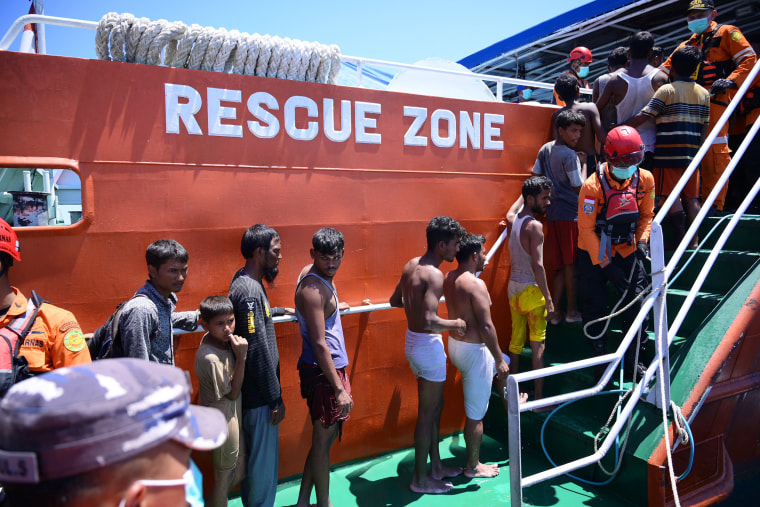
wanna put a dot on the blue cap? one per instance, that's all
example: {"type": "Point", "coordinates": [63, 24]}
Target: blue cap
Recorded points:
{"type": "Point", "coordinates": [72, 420]}
{"type": "Point", "coordinates": [520, 88]}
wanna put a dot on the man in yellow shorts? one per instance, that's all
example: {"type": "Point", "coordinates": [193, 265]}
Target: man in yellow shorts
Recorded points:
{"type": "Point", "coordinates": [529, 298]}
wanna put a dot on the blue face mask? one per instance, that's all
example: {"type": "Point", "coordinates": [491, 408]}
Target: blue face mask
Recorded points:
{"type": "Point", "coordinates": [527, 94]}
{"type": "Point", "coordinates": [583, 72]}
{"type": "Point", "coordinates": [623, 173]}
{"type": "Point", "coordinates": [698, 26]}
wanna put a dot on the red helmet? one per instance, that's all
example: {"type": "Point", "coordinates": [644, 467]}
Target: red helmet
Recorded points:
{"type": "Point", "coordinates": [580, 53]}
{"type": "Point", "coordinates": [8, 240]}
{"type": "Point", "coordinates": [623, 147]}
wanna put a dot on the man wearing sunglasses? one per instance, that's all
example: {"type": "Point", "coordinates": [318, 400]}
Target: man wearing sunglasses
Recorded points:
{"type": "Point", "coordinates": [615, 211]}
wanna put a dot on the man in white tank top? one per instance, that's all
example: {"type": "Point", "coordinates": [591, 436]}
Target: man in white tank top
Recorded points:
{"type": "Point", "coordinates": [632, 88]}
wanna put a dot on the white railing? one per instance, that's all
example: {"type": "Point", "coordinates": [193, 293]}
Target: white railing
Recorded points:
{"type": "Point", "coordinates": [664, 334]}
{"type": "Point", "coordinates": [18, 26]}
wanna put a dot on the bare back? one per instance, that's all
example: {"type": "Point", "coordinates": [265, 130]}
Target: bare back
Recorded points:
{"type": "Point", "coordinates": [467, 298]}
{"type": "Point", "coordinates": [421, 289]}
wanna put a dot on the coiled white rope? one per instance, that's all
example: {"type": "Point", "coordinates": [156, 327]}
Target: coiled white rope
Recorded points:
{"type": "Point", "coordinates": [125, 38]}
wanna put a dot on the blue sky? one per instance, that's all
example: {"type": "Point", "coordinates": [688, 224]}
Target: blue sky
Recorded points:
{"type": "Point", "coordinates": [395, 30]}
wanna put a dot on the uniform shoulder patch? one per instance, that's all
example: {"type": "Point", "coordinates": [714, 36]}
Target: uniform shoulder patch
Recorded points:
{"type": "Point", "coordinates": [588, 206]}
{"type": "Point", "coordinates": [736, 35]}
{"type": "Point", "coordinates": [68, 325]}
{"type": "Point", "coordinates": [74, 340]}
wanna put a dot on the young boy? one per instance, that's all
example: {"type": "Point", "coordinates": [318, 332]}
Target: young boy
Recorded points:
{"type": "Point", "coordinates": [681, 111]}
{"type": "Point", "coordinates": [566, 87]}
{"type": "Point", "coordinates": [219, 366]}
{"type": "Point", "coordinates": [558, 161]}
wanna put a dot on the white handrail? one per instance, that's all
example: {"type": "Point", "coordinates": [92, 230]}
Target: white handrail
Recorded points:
{"type": "Point", "coordinates": [517, 482]}
{"type": "Point", "coordinates": [18, 26]}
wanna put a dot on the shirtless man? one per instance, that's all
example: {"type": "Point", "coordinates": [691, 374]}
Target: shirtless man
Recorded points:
{"type": "Point", "coordinates": [477, 352]}
{"type": "Point", "coordinates": [567, 89]}
{"type": "Point", "coordinates": [419, 291]}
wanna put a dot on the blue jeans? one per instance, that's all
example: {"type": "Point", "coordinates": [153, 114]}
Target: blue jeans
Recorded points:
{"type": "Point", "coordinates": [262, 443]}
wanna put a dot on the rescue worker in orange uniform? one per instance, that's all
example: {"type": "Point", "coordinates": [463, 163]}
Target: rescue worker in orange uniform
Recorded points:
{"type": "Point", "coordinates": [55, 339]}
{"type": "Point", "coordinates": [580, 58]}
{"type": "Point", "coordinates": [727, 58]}
{"type": "Point", "coordinates": [747, 171]}
{"type": "Point", "coordinates": [615, 212]}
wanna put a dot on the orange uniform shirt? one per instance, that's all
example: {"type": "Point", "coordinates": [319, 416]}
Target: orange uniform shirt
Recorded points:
{"type": "Point", "coordinates": [733, 46]}
{"type": "Point", "coordinates": [590, 203]}
{"type": "Point", "coordinates": [55, 340]}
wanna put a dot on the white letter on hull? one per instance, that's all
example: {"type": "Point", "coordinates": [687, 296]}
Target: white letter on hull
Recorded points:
{"type": "Point", "coordinates": [268, 125]}
{"type": "Point", "coordinates": [489, 132]}
{"type": "Point", "coordinates": [217, 112]}
{"type": "Point", "coordinates": [420, 115]}
{"type": "Point", "coordinates": [363, 123]}
{"type": "Point", "coordinates": [337, 136]}
{"type": "Point", "coordinates": [312, 127]}
{"type": "Point", "coordinates": [469, 129]}
{"type": "Point", "coordinates": [186, 111]}
{"type": "Point", "coordinates": [435, 128]}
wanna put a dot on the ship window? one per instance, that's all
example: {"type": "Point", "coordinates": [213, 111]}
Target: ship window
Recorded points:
{"type": "Point", "coordinates": [33, 197]}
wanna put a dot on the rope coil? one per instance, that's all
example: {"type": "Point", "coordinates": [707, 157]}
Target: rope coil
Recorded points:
{"type": "Point", "coordinates": [126, 38]}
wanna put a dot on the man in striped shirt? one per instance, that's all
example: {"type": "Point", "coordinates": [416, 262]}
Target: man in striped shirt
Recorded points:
{"type": "Point", "coordinates": [681, 111]}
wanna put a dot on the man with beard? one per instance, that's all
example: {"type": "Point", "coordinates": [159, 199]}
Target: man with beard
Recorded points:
{"type": "Point", "coordinates": [263, 408]}
{"type": "Point", "coordinates": [529, 299]}
{"type": "Point", "coordinates": [419, 291]}
{"type": "Point", "coordinates": [146, 321]}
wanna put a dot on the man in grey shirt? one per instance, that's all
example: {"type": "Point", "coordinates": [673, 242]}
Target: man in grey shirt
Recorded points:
{"type": "Point", "coordinates": [559, 161]}
{"type": "Point", "coordinates": [146, 322]}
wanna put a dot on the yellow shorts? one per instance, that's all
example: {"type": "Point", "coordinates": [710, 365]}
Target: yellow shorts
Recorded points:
{"type": "Point", "coordinates": [528, 309]}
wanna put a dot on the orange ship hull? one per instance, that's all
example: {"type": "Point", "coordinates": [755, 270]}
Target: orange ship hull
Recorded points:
{"type": "Point", "coordinates": [200, 156]}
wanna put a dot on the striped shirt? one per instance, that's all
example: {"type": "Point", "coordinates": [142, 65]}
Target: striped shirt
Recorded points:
{"type": "Point", "coordinates": [680, 110]}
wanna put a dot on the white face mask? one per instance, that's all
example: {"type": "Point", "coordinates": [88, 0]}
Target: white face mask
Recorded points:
{"type": "Point", "coordinates": [186, 480]}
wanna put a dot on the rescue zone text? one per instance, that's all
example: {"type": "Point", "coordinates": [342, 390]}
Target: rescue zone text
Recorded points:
{"type": "Point", "coordinates": [301, 119]}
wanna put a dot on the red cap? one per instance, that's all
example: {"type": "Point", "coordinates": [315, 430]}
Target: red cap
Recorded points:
{"type": "Point", "coordinates": [9, 241]}
{"type": "Point", "coordinates": [580, 53]}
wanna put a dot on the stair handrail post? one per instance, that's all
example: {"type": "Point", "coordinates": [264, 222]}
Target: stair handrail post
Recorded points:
{"type": "Point", "coordinates": [512, 393]}
{"type": "Point", "coordinates": [659, 278]}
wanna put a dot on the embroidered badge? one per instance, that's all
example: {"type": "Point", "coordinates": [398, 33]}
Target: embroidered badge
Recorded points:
{"type": "Point", "coordinates": [74, 340]}
{"type": "Point", "coordinates": [736, 35]}
{"type": "Point", "coordinates": [251, 323]}
{"type": "Point", "coordinates": [68, 325]}
{"type": "Point", "coordinates": [588, 206]}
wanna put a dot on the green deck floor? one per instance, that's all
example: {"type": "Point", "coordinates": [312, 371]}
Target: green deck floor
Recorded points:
{"type": "Point", "coordinates": [384, 481]}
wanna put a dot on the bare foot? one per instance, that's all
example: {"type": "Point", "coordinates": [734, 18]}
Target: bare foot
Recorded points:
{"type": "Point", "coordinates": [431, 486]}
{"type": "Point", "coordinates": [523, 397]}
{"type": "Point", "coordinates": [482, 471]}
{"type": "Point", "coordinates": [442, 472]}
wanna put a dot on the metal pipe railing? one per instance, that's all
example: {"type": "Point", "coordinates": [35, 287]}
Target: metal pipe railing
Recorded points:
{"type": "Point", "coordinates": [18, 26]}
{"type": "Point", "coordinates": [664, 334]}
